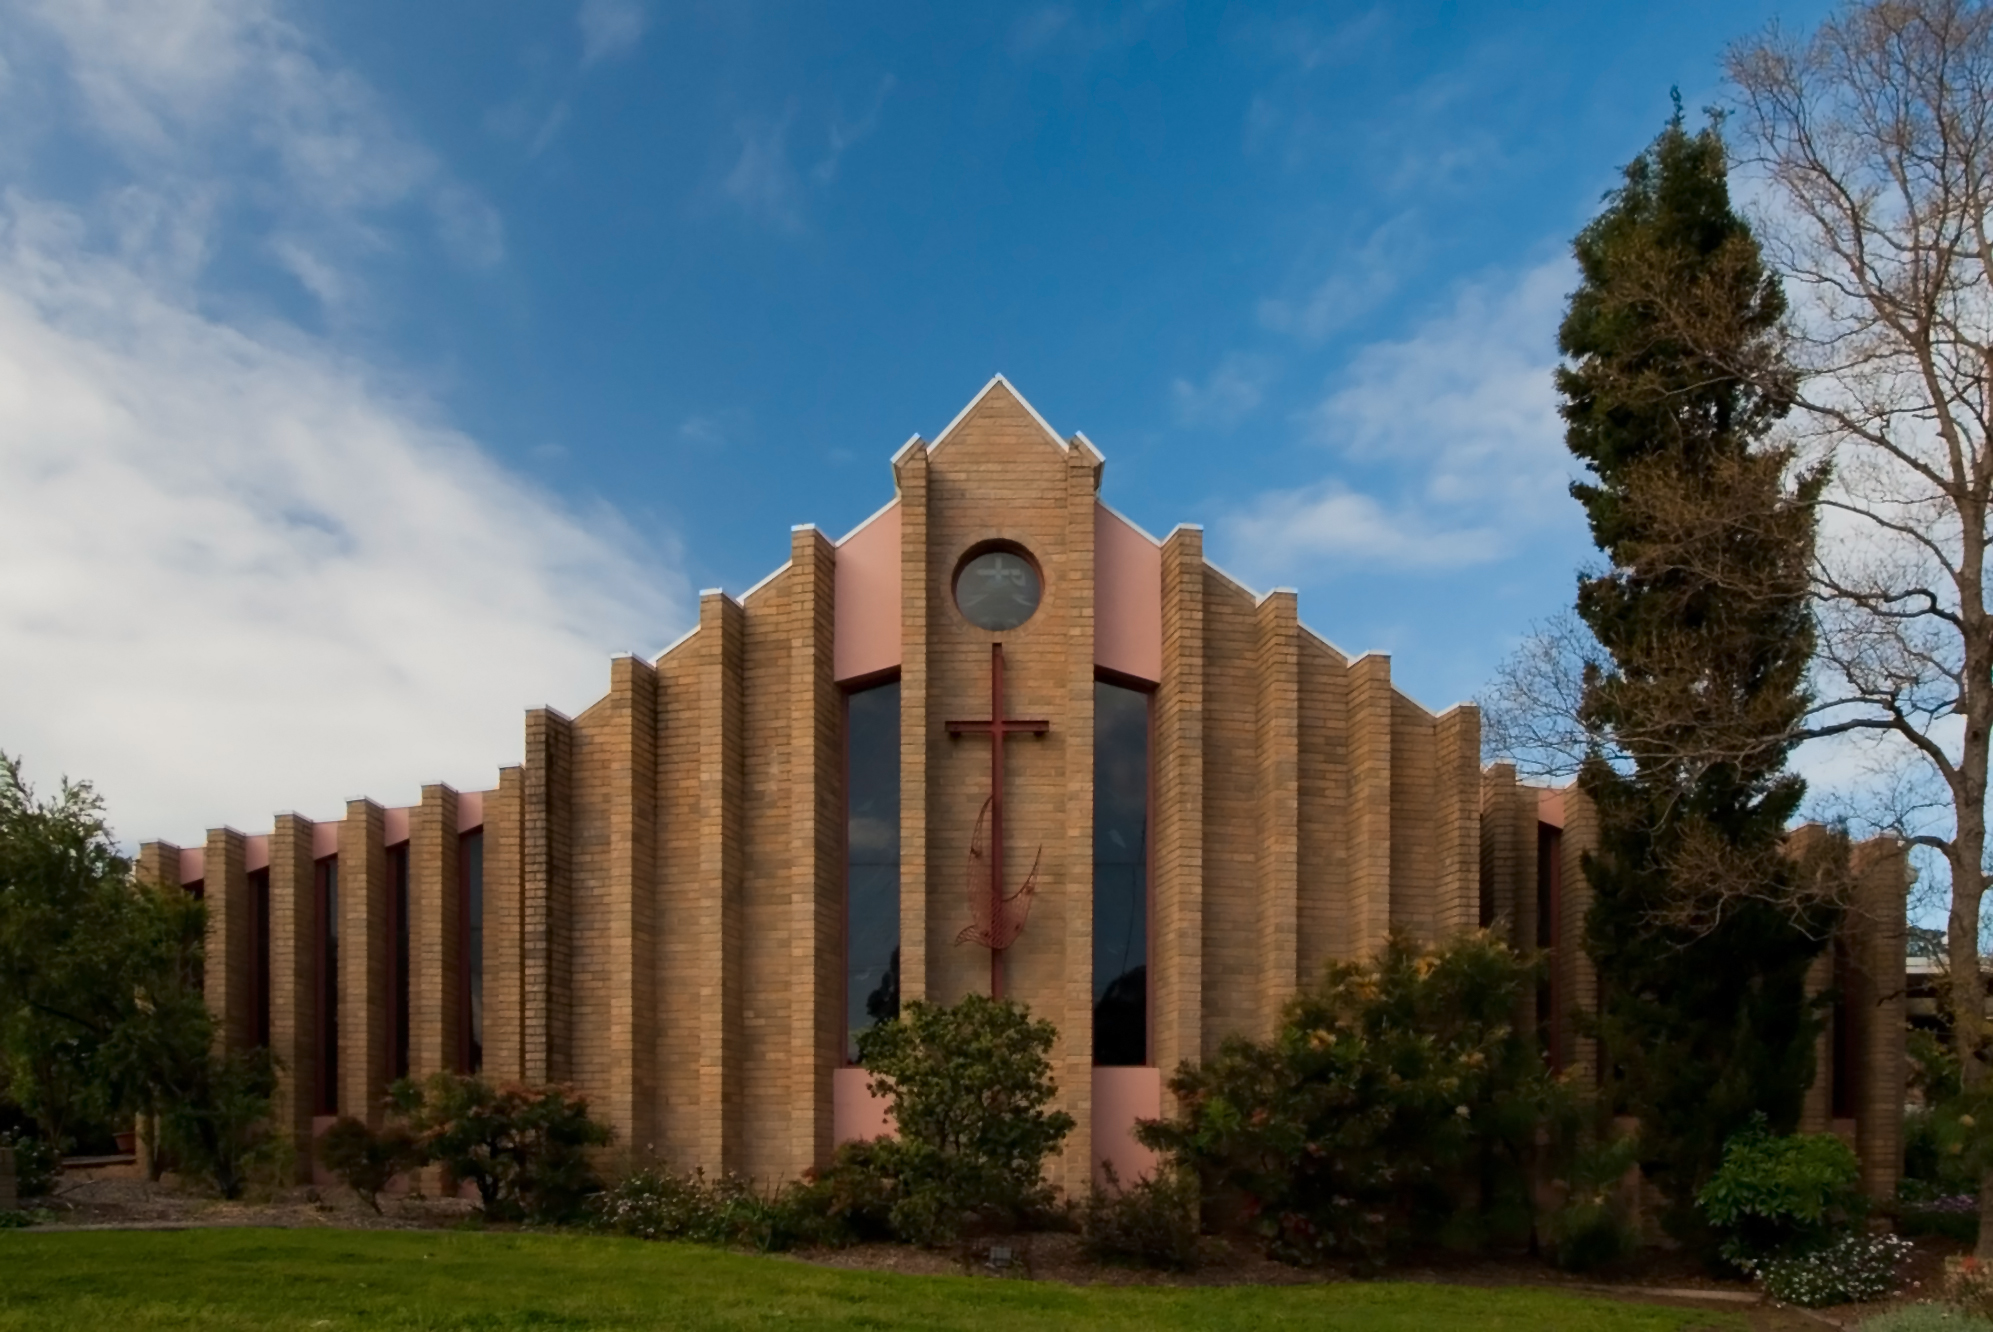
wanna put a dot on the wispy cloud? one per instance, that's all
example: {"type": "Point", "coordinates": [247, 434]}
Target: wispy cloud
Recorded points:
{"type": "Point", "coordinates": [1449, 447]}
{"type": "Point", "coordinates": [240, 567]}
{"type": "Point", "coordinates": [1084, 32]}
{"type": "Point", "coordinates": [1228, 394]}
{"type": "Point", "coordinates": [609, 28]}
{"type": "Point", "coordinates": [1361, 277]}
{"type": "Point", "coordinates": [229, 102]}
{"type": "Point", "coordinates": [764, 180]}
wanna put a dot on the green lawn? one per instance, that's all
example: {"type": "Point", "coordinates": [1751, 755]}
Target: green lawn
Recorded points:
{"type": "Point", "coordinates": [339, 1279]}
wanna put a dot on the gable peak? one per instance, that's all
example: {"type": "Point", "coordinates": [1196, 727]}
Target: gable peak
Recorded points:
{"type": "Point", "coordinates": [999, 384]}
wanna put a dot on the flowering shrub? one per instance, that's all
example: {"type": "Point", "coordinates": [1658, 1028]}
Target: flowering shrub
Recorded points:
{"type": "Point", "coordinates": [658, 1205]}
{"type": "Point", "coordinates": [1924, 1209]}
{"type": "Point", "coordinates": [1851, 1270]}
{"type": "Point", "coordinates": [1397, 1101]}
{"type": "Point", "coordinates": [1969, 1285]}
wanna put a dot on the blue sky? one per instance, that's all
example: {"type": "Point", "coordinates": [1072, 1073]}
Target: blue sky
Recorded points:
{"type": "Point", "coordinates": [369, 372]}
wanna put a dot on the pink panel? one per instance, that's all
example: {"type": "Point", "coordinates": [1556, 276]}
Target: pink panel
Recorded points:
{"type": "Point", "coordinates": [397, 826]}
{"type": "Point", "coordinates": [855, 1112]}
{"type": "Point", "coordinates": [325, 839]}
{"type": "Point", "coordinates": [193, 865]}
{"type": "Point", "coordinates": [256, 853]}
{"type": "Point", "coordinates": [1120, 1097]}
{"type": "Point", "coordinates": [1127, 598]}
{"type": "Point", "coordinates": [470, 811]}
{"type": "Point", "coordinates": [868, 598]}
{"type": "Point", "coordinates": [1550, 807]}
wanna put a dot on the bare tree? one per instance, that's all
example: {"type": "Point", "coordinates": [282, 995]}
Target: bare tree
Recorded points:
{"type": "Point", "coordinates": [1874, 137]}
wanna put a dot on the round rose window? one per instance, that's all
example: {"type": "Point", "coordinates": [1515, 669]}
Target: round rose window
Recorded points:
{"type": "Point", "coordinates": [998, 587]}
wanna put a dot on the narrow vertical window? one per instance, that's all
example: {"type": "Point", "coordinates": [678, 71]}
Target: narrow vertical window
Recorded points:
{"type": "Point", "coordinates": [1120, 875]}
{"type": "Point", "coordinates": [259, 899]}
{"type": "Point", "coordinates": [398, 903]}
{"type": "Point", "coordinates": [872, 860]}
{"type": "Point", "coordinates": [470, 869]}
{"type": "Point", "coordinates": [328, 986]}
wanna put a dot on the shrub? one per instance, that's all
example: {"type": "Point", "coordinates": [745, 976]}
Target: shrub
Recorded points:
{"type": "Point", "coordinates": [1969, 1285]}
{"type": "Point", "coordinates": [525, 1147]}
{"type": "Point", "coordinates": [1780, 1197]}
{"type": "Point", "coordinates": [1925, 1318]}
{"type": "Point", "coordinates": [367, 1160]}
{"type": "Point", "coordinates": [1150, 1223]}
{"type": "Point", "coordinates": [1849, 1270]}
{"type": "Point", "coordinates": [968, 1084]}
{"type": "Point", "coordinates": [659, 1205]}
{"type": "Point", "coordinates": [1397, 1101]}
{"type": "Point", "coordinates": [851, 1199]}
{"type": "Point", "coordinates": [219, 1127]}
{"type": "Point", "coordinates": [36, 1163]}
{"type": "Point", "coordinates": [1592, 1227]}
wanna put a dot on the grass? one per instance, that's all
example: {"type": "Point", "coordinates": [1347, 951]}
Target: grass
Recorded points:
{"type": "Point", "coordinates": [329, 1280]}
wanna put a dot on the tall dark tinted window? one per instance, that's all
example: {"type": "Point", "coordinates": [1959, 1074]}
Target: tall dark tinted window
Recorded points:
{"type": "Point", "coordinates": [470, 865]}
{"type": "Point", "coordinates": [872, 860]}
{"type": "Point", "coordinates": [398, 897]}
{"type": "Point", "coordinates": [259, 897]}
{"type": "Point", "coordinates": [328, 986]}
{"type": "Point", "coordinates": [1120, 875]}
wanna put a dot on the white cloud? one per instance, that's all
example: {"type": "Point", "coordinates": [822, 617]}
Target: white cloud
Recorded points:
{"type": "Point", "coordinates": [237, 572]}
{"type": "Point", "coordinates": [231, 98]}
{"type": "Point", "coordinates": [843, 136]}
{"type": "Point", "coordinates": [1455, 432]}
{"type": "Point", "coordinates": [239, 577]}
{"type": "Point", "coordinates": [762, 181]}
{"type": "Point", "coordinates": [609, 28]}
{"type": "Point", "coordinates": [1227, 396]}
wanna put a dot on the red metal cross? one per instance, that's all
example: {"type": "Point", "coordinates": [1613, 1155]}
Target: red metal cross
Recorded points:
{"type": "Point", "coordinates": [996, 728]}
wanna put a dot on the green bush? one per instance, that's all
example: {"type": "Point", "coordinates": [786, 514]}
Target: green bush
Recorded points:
{"type": "Point", "coordinates": [851, 1199]}
{"type": "Point", "coordinates": [968, 1085]}
{"type": "Point", "coordinates": [659, 1205]}
{"type": "Point", "coordinates": [525, 1147]}
{"type": "Point", "coordinates": [218, 1125]}
{"type": "Point", "coordinates": [1925, 1318]}
{"type": "Point", "coordinates": [1780, 1197]}
{"type": "Point", "coordinates": [1150, 1223]}
{"type": "Point", "coordinates": [1397, 1102]}
{"type": "Point", "coordinates": [367, 1160]}
{"type": "Point", "coordinates": [1592, 1227]}
{"type": "Point", "coordinates": [36, 1163]}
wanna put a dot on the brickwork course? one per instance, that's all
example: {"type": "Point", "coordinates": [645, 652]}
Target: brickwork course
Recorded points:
{"type": "Point", "coordinates": [663, 874]}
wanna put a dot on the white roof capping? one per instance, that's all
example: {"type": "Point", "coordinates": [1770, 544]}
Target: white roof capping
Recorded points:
{"type": "Point", "coordinates": [901, 451]}
{"type": "Point", "coordinates": [881, 512]}
{"type": "Point", "coordinates": [948, 430]}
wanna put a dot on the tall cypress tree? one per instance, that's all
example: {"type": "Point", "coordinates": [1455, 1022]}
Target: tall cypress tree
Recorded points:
{"type": "Point", "coordinates": [1699, 924]}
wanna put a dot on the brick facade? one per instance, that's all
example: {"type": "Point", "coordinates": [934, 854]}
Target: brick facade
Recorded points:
{"type": "Point", "coordinates": [663, 874]}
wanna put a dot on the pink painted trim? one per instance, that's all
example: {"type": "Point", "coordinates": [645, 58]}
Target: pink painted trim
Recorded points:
{"type": "Point", "coordinates": [1127, 598]}
{"type": "Point", "coordinates": [256, 852]}
{"type": "Point", "coordinates": [1550, 806]}
{"type": "Point", "coordinates": [1120, 1097]}
{"type": "Point", "coordinates": [397, 826]}
{"type": "Point", "coordinates": [470, 811]}
{"type": "Point", "coordinates": [855, 1112]}
{"type": "Point", "coordinates": [193, 865]}
{"type": "Point", "coordinates": [868, 599]}
{"type": "Point", "coordinates": [325, 839]}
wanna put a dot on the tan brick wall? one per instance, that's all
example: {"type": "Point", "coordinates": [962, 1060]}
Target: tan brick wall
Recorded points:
{"type": "Point", "coordinates": [434, 936]}
{"type": "Point", "coordinates": [1577, 984]}
{"type": "Point", "coordinates": [546, 877]}
{"type": "Point", "coordinates": [504, 929]}
{"type": "Point", "coordinates": [294, 981]}
{"type": "Point", "coordinates": [917, 730]}
{"type": "Point", "coordinates": [364, 960]}
{"type": "Point", "coordinates": [775, 780]}
{"type": "Point", "coordinates": [1277, 774]}
{"type": "Point", "coordinates": [716, 922]}
{"type": "Point", "coordinates": [1323, 919]}
{"type": "Point", "coordinates": [1074, 1054]}
{"type": "Point", "coordinates": [678, 948]}
{"type": "Point", "coordinates": [1877, 1002]}
{"type": "Point", "coordinates": [1415, 820]}
{"type": "Point", "coordinates": [1232, 995]}
{"type": "Point", "coordinates": [228, 976]}
{"type": "Point", "coordinates": [816, 837]}
{"type": "Point", "coordinates": [1502, 851]}
{"type": "Point", "coordinates": [1176, 937]}
{"type": "Point", "coordinates": [1371, 701]}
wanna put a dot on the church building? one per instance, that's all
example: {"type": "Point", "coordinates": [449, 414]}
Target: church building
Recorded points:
{"type": "Point", "coordinates": [995, 739]}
